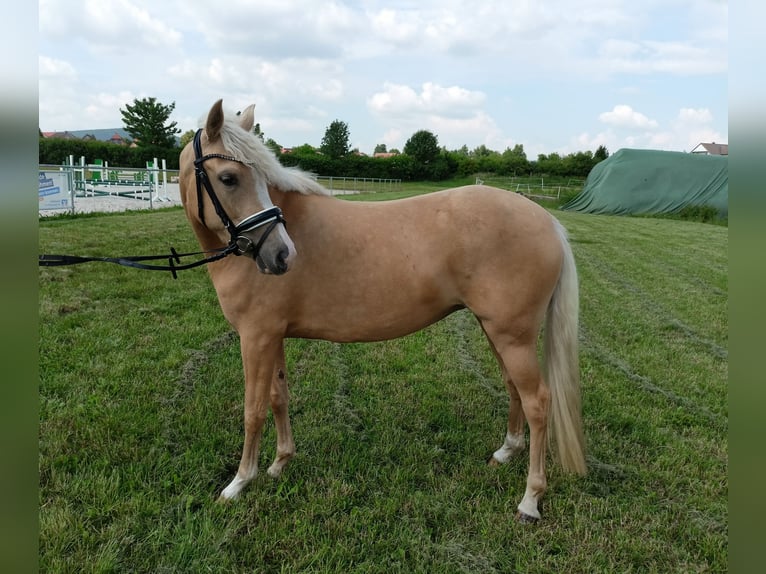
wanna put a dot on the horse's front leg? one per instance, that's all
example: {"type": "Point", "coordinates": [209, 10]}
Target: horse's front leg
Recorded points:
{"type": "Point", "coordinates": [279, 400]}
{"type": "Point", "coordinates": [259, 357]}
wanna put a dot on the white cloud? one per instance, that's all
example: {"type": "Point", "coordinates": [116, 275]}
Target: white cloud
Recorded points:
{"type": "Point", "coordinates": [695, 116]}
{"type": "Point", "coordinates": [58, 79]}
{"type": "Point", "coordinates": [690, 127]}
{"type": "Point", "coordinates": [286, 81]}
{"type": "Point", "coordinates": [682, 57]}
{"type": "Point", "coordinates": [52, 69]}
{"type": "Point", "coordinates": [395, 100]}
{"type": "Point", "coordinates": [393, 138]}
{"type": "Point", "coordinates": [477, 129]}
{"type": "Point", "coordinates": [585, 141]}
{"type": "Point", "coordinates": [693, 125]}
{"type": "Point", "coordinates": [402, 100]}
{"type": "Point", "coordinates": [454, 114]}
{"type": "Point", "coordinates": [623, 116]}
{"type": "Point", "coordinates": [390, 26]}
{"type": "Point", "coordinates": [615, 49]}
{"type": "Point", "coordinates": [277, 30]}
{"type": "Point", "coordinates": [111, 25]}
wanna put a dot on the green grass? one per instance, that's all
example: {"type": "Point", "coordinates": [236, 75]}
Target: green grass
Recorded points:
{"type": "Point", "coordinates": [141, 417]}
{"type": "Point", "coordinates": [409, 189]}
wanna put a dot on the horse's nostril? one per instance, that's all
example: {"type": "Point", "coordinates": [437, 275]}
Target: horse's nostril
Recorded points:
{"type": "Point", "coordinates": [282, 256]}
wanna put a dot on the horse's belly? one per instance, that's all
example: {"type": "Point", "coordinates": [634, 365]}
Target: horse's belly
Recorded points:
{"type": "Point", "coordinates": [373, 316]}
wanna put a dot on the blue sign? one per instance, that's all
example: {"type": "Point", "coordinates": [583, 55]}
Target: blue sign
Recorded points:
{"type": "Point", "coordinates": [54, 190]}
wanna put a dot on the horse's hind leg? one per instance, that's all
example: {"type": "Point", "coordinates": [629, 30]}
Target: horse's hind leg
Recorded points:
{"type": "Point", "coordinates": [514, 442]}
{"type": "Point", "coordinates": [522, 370]}
{"type": "Point", "coordinates": [279, 400]}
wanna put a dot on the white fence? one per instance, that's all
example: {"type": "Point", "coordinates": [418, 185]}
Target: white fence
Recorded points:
{"type": "Point", "coordinates": [61, 185]}
{"type": "Point", "coordinates": [351, 185]}
{"type": "Point", "coordinates": [532, 186]}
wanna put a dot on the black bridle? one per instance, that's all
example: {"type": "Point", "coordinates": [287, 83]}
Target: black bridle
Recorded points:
{"type": "Point", "coordinates": [238, 242]}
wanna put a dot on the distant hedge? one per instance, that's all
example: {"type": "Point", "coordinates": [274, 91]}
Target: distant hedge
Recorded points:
{"type": "Point", "coordinates": [447, 165]}
{"type": "Point", "coordinates": [55, 151]}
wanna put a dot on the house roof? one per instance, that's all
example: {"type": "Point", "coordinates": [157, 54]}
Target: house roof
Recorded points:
{"type": "Point", "coordinates": [61, 135]}
{"type": "Point", "coordinates": [113, 135]}
{"type": "Point", "coordinates": [104, 135]}
{"type": "Point", "coordinates": [712, 148]}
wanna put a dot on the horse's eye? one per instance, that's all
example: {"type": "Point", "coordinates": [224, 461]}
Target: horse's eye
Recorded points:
{"type": "Point", "coordinates": [228, 179]}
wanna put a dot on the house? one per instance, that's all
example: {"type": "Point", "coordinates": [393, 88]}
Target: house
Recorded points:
{"type": "Point", "coordinates": [117, 139]}
{"type": "Point", "coordinates": [112, 135]}
{"type": "Point", "coordinates": [61, 135]}
{"type": "Point", "coordinates": [384, 155]}
{"type": "Point", "coordinates": [711, 149]}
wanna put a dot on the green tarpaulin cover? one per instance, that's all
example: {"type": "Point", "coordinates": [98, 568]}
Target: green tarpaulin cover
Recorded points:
{"type": "Point", "coordinates": [636, 181]}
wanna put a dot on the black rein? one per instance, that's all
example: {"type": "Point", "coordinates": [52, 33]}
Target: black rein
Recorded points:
{"type": "Point", "coordinates": [174, 260]}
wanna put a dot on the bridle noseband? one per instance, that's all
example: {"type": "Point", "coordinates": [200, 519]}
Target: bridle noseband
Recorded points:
{"type": "Point", "coordinates": [238, 243]}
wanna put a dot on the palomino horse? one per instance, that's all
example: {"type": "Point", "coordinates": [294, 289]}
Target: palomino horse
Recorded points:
{"type": "Point", "coordinates": [355, 271]}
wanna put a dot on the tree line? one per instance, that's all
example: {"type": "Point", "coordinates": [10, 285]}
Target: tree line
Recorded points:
{"type": "Point", "coordinates": [422, 158]}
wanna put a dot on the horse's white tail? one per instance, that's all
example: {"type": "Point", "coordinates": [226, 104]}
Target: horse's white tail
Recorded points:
{"type": "Point", "coordinates": [562, 369]}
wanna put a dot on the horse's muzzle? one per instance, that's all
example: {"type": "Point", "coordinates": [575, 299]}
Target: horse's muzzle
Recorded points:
{"type": "Point", "coordinates": [279, 265]}
{"type": "Point", "coordinates": [271, 261]}
{"type": "Point", "coordinates": [270, 252]}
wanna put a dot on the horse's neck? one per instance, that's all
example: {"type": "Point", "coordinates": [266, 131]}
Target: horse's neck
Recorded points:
{"type": "Point", "coordinates": [293, 202]}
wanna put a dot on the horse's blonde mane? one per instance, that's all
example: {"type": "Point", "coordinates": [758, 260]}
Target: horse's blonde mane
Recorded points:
{"type": "Point", "coordinates": [248, 148]}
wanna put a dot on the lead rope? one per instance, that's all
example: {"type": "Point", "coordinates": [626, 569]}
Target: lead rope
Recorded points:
{"type": "Point", "coordinates": [174, 260]}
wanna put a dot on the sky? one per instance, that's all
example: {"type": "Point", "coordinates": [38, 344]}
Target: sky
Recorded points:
{"type": "Point", "coordinates": [552, 75]}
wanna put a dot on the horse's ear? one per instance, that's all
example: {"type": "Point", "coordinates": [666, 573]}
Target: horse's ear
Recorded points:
{"type": "Point", "coordinates": [214, 121]}
{"type": "Point", "coordinates": [247, 118]}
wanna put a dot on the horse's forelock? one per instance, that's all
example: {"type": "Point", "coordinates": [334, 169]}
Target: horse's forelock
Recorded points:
{"type": "Point", "coordinates": [248, 148]}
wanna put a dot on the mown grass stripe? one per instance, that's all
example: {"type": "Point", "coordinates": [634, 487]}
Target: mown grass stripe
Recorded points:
{"type": "Point", "coordinates": [645, 383]}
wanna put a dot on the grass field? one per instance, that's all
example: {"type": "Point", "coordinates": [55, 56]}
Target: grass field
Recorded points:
{"type": "Point", "coordinates": [141, 423]}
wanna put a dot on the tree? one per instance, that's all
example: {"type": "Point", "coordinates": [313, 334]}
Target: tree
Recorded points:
{"type": "Point", "coordinates": [257, 131]}
{"type": "Point", "coordinates": [515, 160]}
{"type": "Point", "coordinates": [518, 151]}
{"type": "Point", "coordinates": [601, 153]}
{"type": "Point", "coordinates": [380, 148]}
{"type": "Point", "coordinates": [186, 137]}
{"type": "Point", "coordinates": [482, 151]}
{"type": "Point", "coordinates": [273, 145]}
{"type": "Point", "coordinates": [145, 121]}
{"type": "Point", "coordinates": [423, 146]}
{"type": "Point", "coordinates": [335, 141]}
{"type": "Point", "coordinates": [579, 163]}
{"type": "Point", "coordinates": [305, 149]}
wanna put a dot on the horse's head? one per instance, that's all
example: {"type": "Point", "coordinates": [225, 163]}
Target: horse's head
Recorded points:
{"type": "Point", "coordinates": [224, 188]}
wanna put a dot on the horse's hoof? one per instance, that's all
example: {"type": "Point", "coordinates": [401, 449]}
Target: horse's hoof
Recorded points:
{"type": "Point", "coordinates": [225, 498]}
{"type": "Point", "coordinates": [524, 518]}
{"type": "Point", "coordinates": [493, 461]}
{"type": "Point", "coordinates": [274, 472]}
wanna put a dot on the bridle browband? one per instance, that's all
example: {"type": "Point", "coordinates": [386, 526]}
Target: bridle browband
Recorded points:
{"type": "Point", "coordinates": [238, 243]}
